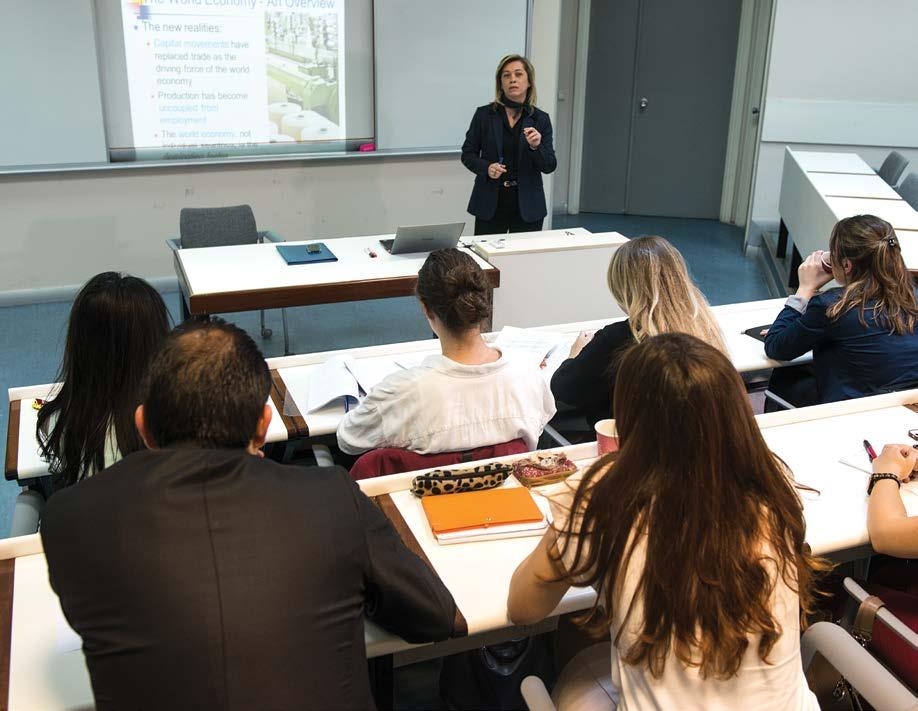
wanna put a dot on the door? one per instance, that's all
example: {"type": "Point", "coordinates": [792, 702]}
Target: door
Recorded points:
{"type": "Point", "coordinates": [666, 134]}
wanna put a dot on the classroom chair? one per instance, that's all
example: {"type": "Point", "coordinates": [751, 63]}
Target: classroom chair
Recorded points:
{"type": "Point", "coordinates": [893, 167]}
{"type": "Point", "coordinates": [908, 190]}
{"type": "Point", "coordinates": [26, 512]}
{"type": "Point", "coordinates": [885, 623]}
{"type": "Point", "coordinates": [391, 460]}
{"type": "Point", "coordinates": [828, 643]}
{"type": "Point", "coordinates": [221, 227]}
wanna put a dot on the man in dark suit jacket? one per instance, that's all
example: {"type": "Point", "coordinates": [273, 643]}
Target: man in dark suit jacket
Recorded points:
{"type": "Point", "coordinates": [202, 576]}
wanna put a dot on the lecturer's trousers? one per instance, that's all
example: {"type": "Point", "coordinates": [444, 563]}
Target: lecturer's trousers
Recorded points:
{"type": "Point", "coordinates": [506, 216]}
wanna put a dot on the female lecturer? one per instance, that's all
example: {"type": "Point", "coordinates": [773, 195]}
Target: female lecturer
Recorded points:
{"type": "Point", "coordinates": [508, 146]}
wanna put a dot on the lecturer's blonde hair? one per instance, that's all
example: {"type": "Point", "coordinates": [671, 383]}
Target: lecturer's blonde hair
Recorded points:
{"type": "Point", "coordinates": [649, 280]}
{"type": "Point", "coordinates": [530, 73]}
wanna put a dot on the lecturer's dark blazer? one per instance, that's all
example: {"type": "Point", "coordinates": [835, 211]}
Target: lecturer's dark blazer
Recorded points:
{"type": "Point", "coordinates": [213, 579]}
{"type": "Point", "coordinates": [484, 145]}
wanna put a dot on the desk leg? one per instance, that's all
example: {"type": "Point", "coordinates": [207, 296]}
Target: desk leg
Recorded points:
{"type": "Point", "coordinates": [186, 314]}
{"type": "Point", "coordinates": [781, 249]}
{"type": "Point", "coordinates": [792, 280]}
{"type": "Point", "coordinates": [382, 677]}
{"type": "Point", "coordinates": [486, 325]}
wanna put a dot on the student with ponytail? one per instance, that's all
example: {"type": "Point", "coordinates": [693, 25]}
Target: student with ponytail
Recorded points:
{"type": "Point", "coordinates": [469, 396]}
{"type": "Point", "coordinates": [862, 333]}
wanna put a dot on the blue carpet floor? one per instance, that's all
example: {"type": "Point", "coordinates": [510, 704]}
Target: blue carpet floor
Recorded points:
{"type": "Point", "coordinates": [34, 334]}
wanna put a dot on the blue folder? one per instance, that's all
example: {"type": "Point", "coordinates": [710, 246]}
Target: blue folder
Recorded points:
{"type": "Point", "coordinates": [297, 254]}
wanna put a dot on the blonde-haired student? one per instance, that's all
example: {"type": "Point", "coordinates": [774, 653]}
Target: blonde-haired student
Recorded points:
{"type": "Point", "coordinates": [650, 281]}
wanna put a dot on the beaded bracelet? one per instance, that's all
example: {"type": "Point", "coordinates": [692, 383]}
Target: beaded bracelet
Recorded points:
{"type": "Point", "coordinates": [880, 476]}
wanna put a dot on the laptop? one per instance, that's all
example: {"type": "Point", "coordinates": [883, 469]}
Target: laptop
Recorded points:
{"type": "Point", "coordinates": [423, 238]}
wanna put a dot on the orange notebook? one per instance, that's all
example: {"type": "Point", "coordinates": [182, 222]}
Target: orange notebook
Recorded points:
{"type": "Point", "coordinates": [480, 509]}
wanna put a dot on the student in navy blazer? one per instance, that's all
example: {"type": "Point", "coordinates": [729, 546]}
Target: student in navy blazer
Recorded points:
{"type": "Point", "coordinates": [508, 146]}
{"type": "Point", "coordinates": [863, 334]}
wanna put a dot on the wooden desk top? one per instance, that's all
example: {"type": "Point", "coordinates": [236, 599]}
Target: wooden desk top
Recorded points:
{"type": "Point", "coordinates": [253, 276]}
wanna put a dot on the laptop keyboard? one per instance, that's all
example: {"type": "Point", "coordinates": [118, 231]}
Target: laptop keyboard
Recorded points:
{"type": "Point", "coordinates": [387, 244]}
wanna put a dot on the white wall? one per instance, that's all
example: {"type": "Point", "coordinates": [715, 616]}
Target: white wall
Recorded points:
{"type": "Point", "coordinates": [841, 77]}
{"type": "Point", "coordinates": [60, 229]}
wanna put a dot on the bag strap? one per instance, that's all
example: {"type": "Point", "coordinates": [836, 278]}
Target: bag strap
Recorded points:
{"type": "Point", "coordinates": [866, 614]}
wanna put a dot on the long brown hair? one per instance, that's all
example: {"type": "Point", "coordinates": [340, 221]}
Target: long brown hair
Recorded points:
{"type": "Point", "coordinates": [718, 510]}
{"type": "Point", "coordinates": [650, 281]}
{"type": "Point", "coordinates": [878, 281]}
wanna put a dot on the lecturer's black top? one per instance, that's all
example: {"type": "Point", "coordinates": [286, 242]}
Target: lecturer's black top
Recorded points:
{"type": "Point", "coordinates": [485, 144]}
{"type": "Point", "coordinates": [213, 579]}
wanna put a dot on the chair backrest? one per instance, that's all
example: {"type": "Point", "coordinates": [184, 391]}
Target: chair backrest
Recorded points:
{"type": "Point", "coordinates": [909, 190]}
{"type": "Point", "coordinates": [893, 167]}
{"type": "Point", "coordinates": [892, 636]}
{"type": "Point", "coordinates": [217, 226]}
{"type": "Point", "coordinates": [390, 460]}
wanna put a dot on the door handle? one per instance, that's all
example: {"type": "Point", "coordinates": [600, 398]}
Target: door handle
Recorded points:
{"type": "Point", "coordinates": [755, 110]}
{"type": "Point", "coordinates": [642, 104]}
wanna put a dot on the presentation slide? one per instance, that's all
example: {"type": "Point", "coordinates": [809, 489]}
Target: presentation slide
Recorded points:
{"type": "Point", "coordinates": [234, 72]}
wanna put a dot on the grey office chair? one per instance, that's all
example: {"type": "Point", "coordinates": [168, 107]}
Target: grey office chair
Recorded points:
{"type": "Point", "coordinates": [893, 167]}
{"type": "Point", "coordinates": [221, 227]}
{"type": "Point", "coordinates": [908, 190]}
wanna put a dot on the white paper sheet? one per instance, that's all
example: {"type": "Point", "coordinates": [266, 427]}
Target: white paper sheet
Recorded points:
{"type": "Point", "coordinates": [530, 343]}
{"type": "Point", "coordinates": [369, 372]}
{"type": "Point", "coordinates": [313, 387]}
{"type": "Point", "coordinates": [886, 427]}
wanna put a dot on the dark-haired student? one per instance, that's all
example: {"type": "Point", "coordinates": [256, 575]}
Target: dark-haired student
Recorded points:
{"type": "Point", "coordinates": [693, 538]}
{"type": "Point", "coordinates": [117, 322]}
{"type": "Point", "coordinates": [863, 333]}
{"type": "Point", "coordinates": [472, 395]}
{"type": "Point", "coordinates": [203, 576]}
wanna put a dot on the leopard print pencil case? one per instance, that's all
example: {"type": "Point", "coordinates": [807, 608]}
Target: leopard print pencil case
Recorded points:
{"type": "Point", "coordinates": [453, 481]}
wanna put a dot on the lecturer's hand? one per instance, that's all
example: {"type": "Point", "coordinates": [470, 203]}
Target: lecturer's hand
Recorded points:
{"type": "Point", "coordinates": [533, 137]}
{"type": "Point", "coordinates": [495, 170]}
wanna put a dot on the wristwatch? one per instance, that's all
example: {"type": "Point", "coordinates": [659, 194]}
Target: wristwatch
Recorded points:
{"type": "Point", "coordinates": [880, 476]}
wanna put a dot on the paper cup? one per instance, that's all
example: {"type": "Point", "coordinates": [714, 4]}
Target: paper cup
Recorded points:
{"type": "Point", "coordinates": [606, 437]}
{"type": "Point", "coordinates": [826, 262]}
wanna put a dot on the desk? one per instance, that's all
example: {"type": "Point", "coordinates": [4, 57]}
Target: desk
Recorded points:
{"type": "Point", "coordinates": [746, 353]}
{"type": "Point", "coordinates": [812, 201]}
{"type": "Point", "coordinates": [46, 672]}
{"type": "Point", "coordinates": [552, 276]}
{"type": "Point", "coordinates": [23, 460]}
{"type": "Point", "coordinates": [254, 276]}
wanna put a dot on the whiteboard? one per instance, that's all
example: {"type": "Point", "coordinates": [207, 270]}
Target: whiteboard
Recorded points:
{"type": "Point", "coordinates": [435, 63]}
{"type": "Point", "coordinates": [49, 84]}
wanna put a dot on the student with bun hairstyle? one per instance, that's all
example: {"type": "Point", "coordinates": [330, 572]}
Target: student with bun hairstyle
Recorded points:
{"type": "Point", "coordinates": [471, 395]}
{"type": "Point", "coordinates": [693, 537]}
{"type": "Point", "coordinates": [117, 323]}
{"type": "Point", "coordinates": [649, 280]}
{"type": "Point", "coordinates": [863, 333]}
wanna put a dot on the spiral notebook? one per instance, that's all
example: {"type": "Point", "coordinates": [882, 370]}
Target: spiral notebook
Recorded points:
{"type": "Point", "coordinates": [306, 253]}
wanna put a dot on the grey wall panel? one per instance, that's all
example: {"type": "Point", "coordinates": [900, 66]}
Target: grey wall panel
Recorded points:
{"type": "Point", "coordinates": [607, 115]}
{"type": "Point", "coordinates": [435, 63]}
{"type": "Point", "coordinates": [49, 83]}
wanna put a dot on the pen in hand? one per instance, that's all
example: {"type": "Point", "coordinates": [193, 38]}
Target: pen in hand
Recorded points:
{"type": "Point", "coordinates": [871, 455]}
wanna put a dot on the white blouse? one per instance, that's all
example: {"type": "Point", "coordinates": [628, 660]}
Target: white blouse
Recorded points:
{"type": "Point", "coordinates": [445, 406]}
{"type": "Point", "coordinates": [776, 685]}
